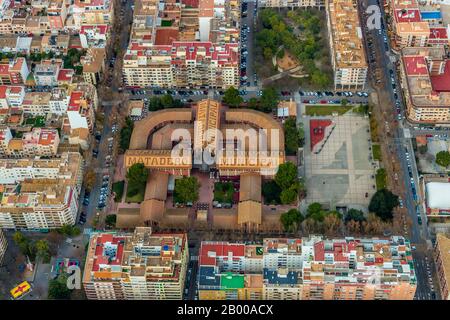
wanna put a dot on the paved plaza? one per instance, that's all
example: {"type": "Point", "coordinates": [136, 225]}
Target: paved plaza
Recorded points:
{"type": "Point", "coordinates": [337, 166]}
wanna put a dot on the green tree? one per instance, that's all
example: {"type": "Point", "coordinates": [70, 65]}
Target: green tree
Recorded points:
{"type": "Point", "coordinates": [287, 175]}
{"type": "Point", "coordinates": [154, 104]}
{"type": "Point", "coordinates": [232, 98]}
{"type": "Point", "coordinates": [69, 230]}
{"type": "Point", "coordinates": [137, 178]}
{"type": "Point", "coordinates": [57, 288]}
{"type": "Point", "coordinates": [271, 192]}
{"type": "Point", "coordinates": [110, 220]}
{"type": "Point", "coordinates": [125, 134]}
{"type": "Point", "coordinates": [43, 250]}
{"type": "Point", "coordinates": [269, 99]}
{"type": "Point", "coordinates": [292, 136]}
{"type": "Point", "coordinates": [382, 204]}
{"type": "Point", "coordinates": [291, 220]}
{"type": "Point", "coordinates": [443, 158]}
{"type": "Point", "coordinates": [355, 215]}
{"type": "Point", "coordinates": [288, 196]}
{"type": "Point", "coordinates": [26, 247]}
{"type": "Point", "coordinates": [186, 190]}
{"type": "Point", "coordinates": [167, 101]}
{"type": "Point", "coordinates": [253, 103]}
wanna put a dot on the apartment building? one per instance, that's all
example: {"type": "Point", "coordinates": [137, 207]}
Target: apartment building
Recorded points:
{"type": "Point", "coordinates": [309, 269]}
{"type": "Point", "coordinates": [46, 72]}
{"type": "Point", "coordinates": [417, 24]}
{"type": "Point", "coordinates": [348, 57]}
{"type": "Point", "coordinates": [229, 271]}
{"type": "Point", "coordinates": [173, 45]}
{"type": "Point", "coordinates": [3, 246]}
{"type": "Point", "coordinates": [442, 261]}
{"type": "Point", "coordinates": [183, 64]}
{"type": "Point", "coordinates": [14, 72]}
{"type": "Point", "coordinates": [138, 266]}
{"type": "Point", "coordinates": [13, 171]}
{"type": "Point", "coordinates": [93, 65]}
{"type": "Point", "coordinates": [425, 79]}
{"type": "Point", "coordinates": [35, 143]}
{"type": "Point", "coordinates": [41, 203]}
{"type": "Point", "coordinates": [91, 12]}
{"type": "Point", "coordinates": [79, 123]}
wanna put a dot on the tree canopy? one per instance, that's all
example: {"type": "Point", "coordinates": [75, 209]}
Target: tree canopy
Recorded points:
{"type": "Point", "coordinates": [287, 175]}
{"type": "Point", "coordinates": [382, 204]}
{"type": "Point", "coordinates": [293, 136]}
{"type": "Point", "coordinates": [291, 220]}
{"type": "Point", "coordinates": [443, 158]}
{"type": "Point", "coordinates": [125, 134]}
{"type": "Point", "coordinates": [137, 178]}
{"type": "Point", "coordinates": [57, 288]}
{"type": "Point", "coordinates": [271, 192]}
{"type": "Point", "coordinates": [355, 215]}
{"type": "Point", "coordinates": [306, 48]}
{"type": "Point", "coordinates": [186, 190]}
{"type": "Point", "coordinates": [269, 99]}
{"type": "Point", "coordinates": [231, 97]}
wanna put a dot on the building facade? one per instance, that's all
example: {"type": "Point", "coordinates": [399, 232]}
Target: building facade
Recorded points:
{"type": "Point", "coordinates": [348, 57]}
{"type": "Point", "coordinates": [40, 194]}
{"type": "Point", "coordinates": [425, 79]}
{"type": "Point", "coordinates": [308, 269]}
{"type": "Point", "coordinates": [138, 266]}
{"type": "Point", "coordinates": [442, 261]}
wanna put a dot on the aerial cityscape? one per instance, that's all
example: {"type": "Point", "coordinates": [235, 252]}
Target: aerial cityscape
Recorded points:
{"type": "Point", "coordinates": [224, 150]}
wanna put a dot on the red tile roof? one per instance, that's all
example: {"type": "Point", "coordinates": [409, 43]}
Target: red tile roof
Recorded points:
{"type": "Point", "coordinates": [438, 33]}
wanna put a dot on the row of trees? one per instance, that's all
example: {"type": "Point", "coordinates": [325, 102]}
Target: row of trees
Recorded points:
{"type": "Point", "coordinates": [166, 101]}
{"type": "Point", "coordinates": [125, 135]}
{"type": "Point", "coordinates": [294, 136]}
{"type": "Point", "coordinates": [332, 223]}
{"type": "Point", "coordinates": [266, 103]}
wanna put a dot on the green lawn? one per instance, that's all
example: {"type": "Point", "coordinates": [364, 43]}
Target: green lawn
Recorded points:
{"type": "Point", "coordinates": [136, 198]}
{"type": "Point", "coordinates": [326, 110]}
{"type": "Point", "coordinates": [376, 151]}
{"type": "Point", "coordinates": [139, 197]}
{"type": "Point", "coordinates": [118, 187]}
{"type": "Point", "coordinates": [381, 179]}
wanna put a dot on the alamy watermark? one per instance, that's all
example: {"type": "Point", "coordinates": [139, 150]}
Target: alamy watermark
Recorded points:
{"type": "Point", "coordinates": [231, 147]}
